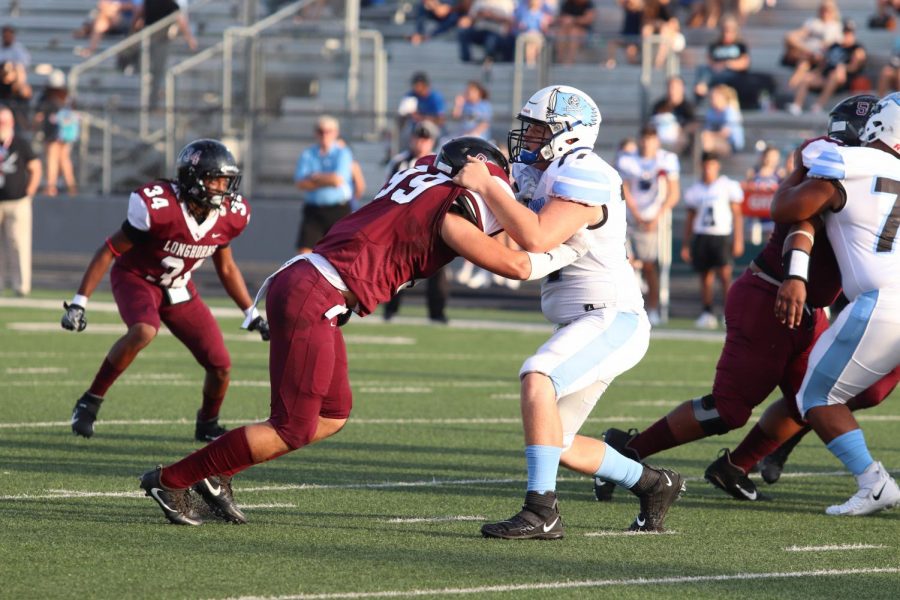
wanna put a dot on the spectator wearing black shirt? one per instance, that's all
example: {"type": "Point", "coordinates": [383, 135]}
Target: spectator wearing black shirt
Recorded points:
{"type": "Point", "coordinates": [674, 117]}
{"type": "Point", "coordinates": [153, 11]}
{"type": "Point", "coordinates": [841, 63]}
{"type": "Point", "coordinates": [573, 24]}
{"type": "Point", "coordinates": [16, 93]}
{"type": "Point", "coordinates": [728, 60]}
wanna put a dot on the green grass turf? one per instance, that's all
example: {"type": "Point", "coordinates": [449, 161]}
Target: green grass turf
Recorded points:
{"type": "Point", "coordinates": [462, 458]}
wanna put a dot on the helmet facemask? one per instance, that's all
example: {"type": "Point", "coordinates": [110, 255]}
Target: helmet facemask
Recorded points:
{"type": "Point", "coordinates": [519, 141]}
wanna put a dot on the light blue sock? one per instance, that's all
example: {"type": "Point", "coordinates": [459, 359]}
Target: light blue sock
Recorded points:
{"type": "Point", "coordinates": [619, 469]}
{"type": "Point", "coordinates": [850, 448]}
{"type": "Point", "coordinates": [543, 462]}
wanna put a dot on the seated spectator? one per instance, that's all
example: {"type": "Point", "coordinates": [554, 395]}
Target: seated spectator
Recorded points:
{"type": "Point", "coordinates": [12, 50]}
{"type": "Point", "coordinates": [488, 24]}
{"type": "Point", "coordinates": [659, 19]}
{"type": "Point", "coordinates": [473, 110]}
{"type": "Point", "coordinates": [573, 24]}
{"type": "Point", "coordinates": [533, 19]}
{"type": "Point", "coordinates": [421, 103]}
{"type": "Point", "coordinates": [109, 16]}
{"type": "Point", "coordinates": [723, 129]}
{"type": "Point", "coordinates": [889, 79]}
{"type": "Point", "coordinates": [59, 124]}
{"type": "Point", "coordinates": [841, 63]}
{"type": "Point", "coordinates": [883, 19]}
{"type": "Point", "coordinates": [759, 188]}
{"type": "Point", "coordinates": [728, 60]}
{"type": "Point", "coordinates": [445, 13]}
{"type": "Point", "coordinates": [674, 118]}
{"type": "Point", "coordinates": [629, 35]}
{"type": "Point", "coordinates": [15, 94]}
{"type": "Point", "coordinates": [804, 47]}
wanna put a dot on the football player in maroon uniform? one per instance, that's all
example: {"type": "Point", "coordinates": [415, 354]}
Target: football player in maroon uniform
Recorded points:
{"type": "Point", "coordinates": [761, 353]}
{"type": "Point", "coordinates": [171, 228]}
{"type": "Point", "coordinates": [417, 223]}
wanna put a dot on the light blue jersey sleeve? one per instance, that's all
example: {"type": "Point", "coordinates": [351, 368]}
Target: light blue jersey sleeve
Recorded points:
{"type": "Point", "coordinates": [828, 165]}
{"type": "Point", "coordinates": [590, 182]}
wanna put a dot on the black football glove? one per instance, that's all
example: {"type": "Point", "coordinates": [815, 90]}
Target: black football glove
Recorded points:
{"type": "Point", "coordinates": [74, 319]}
{"type": "Point", "coordinates": [261, 325]}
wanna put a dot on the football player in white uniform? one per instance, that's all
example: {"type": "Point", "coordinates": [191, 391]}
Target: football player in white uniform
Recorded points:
{"type": "Point", "coordinates": [855, 192]}
{"type": "Point", "coordinates": [602, 329]}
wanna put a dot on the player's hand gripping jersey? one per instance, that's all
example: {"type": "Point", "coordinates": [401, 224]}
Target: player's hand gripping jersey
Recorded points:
{"type": "Point", "coordinates": [603, 276]}
{"type": "Point", "coordinates": [169, 243]}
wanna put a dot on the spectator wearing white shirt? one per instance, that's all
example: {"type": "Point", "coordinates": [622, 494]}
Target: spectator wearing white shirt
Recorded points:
{"type": "Point", "coordinates": [11, 50]}
{"type": "Point", "coordinates": [651, 189]}
{"type": "Point", "coordinates": [713, 232]}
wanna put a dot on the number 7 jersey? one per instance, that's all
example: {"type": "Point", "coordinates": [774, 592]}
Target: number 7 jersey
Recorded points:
{"type": "Point", "coordinates": [864, 231]}
{"type": "Point", "coordinates": [168, 242]}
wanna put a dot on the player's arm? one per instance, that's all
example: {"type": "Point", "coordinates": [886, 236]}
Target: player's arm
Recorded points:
{"type": "Point", "coordinates": [557, 221]}
{"type": "Point", "coordinates": [791, 299]}
{"type": "Point", "coordinates": [673, 192]}
{"type": "Point", "coordinates": [475, 246]}
{"type": "Point", "coordinates": [630, 204]}
{"type": "Point", "coordinates": [809, 197]}
{"type": "Point", "coordinates": [737, 218]}
{"type": "Point", "coordinates": [688, 234]}
{"type": "Point", "coordinates": [116, 244]}
{"type": "Point", "coordinates": [233, 281]}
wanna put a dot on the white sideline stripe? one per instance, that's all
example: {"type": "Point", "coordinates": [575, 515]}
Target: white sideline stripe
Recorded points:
{"type": "Point", "coordinates": [590, 583]}
{"type": "Point", "coordinates": [434, 519]}
{"type": "Point", "coordinates": [834, 547]}
{"type": "Point", "coordinates": [35, 370]}
{"type": "Point", "coordinates": [628, 533]}
{"type": "Point", "coordinates": [270, 505]}
{"type": "Point", "coordinates": [353, 421]}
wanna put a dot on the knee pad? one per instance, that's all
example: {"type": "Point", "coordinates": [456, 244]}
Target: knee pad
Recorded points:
{"type": "Point", "coordinates": [708, 416]}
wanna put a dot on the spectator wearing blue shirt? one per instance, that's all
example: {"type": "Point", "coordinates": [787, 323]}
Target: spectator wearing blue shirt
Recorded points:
{"type": "Point", "coordinates": [324, 173]}
{"type": "Point", "coordinates": [533, 19]}
{"type": "Point", "coordinates": [473, 110]}
{"type": "Point", "coordinates": [422, 102]}
{"type": "Point", "coordinates": [723, 130]}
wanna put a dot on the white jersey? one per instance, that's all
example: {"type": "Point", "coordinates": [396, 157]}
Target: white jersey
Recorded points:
{"type": "Point", "coordinates": [603, 276]}
{"type": "Point", "coordinates": [864, 232]}
{"type": "Point", "coordinates": [646, 179]}
{"type": "Point", "coordinates": [712, 204]}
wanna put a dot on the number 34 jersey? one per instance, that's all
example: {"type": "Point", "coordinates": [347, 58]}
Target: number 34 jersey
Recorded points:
{"type": "Point", "coordinates": [172, 243]}
{"type": "Point", "coordinates": [864, 231]}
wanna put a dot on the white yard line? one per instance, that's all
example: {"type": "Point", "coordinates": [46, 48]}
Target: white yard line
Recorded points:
{"type": "Point", "coordinates": [628, 533]}
{"type": "Point", "coordinates": [435, 519]}
{"type": "Point", "coordinates": [840, 547]}
{"type": "Point", "coordinates": [552, 586]}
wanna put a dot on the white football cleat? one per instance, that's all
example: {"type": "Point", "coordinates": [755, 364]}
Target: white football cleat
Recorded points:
{"type": "Point", "coordinates": [877, 491]}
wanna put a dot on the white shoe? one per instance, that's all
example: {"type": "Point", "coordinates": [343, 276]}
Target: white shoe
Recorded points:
{"type": "Point", "coordinates": [877, 491]}
{"type": "Point", "coordinates": [513, 284]}
{"type": "Point", "coordinates": [481, 279]}
{"type": "Point", "coordinates": [706, 320]}
{"type": "Point", "coordinates": [654, 317]}
{"type": "Point", "coordinates": [794, 109]}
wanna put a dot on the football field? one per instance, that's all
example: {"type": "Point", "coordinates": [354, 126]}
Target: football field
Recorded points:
{"type": "Point", "coordinates": [391, 506]}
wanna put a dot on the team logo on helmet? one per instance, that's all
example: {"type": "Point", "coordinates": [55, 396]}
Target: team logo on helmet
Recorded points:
{"type": "Point", "coordinates": [481, 157]}
{"type": "Point", "coordinates": [862, 108]}
{"type": "Point", "coordinates": [194, 158]}
{"type": "Point", "coordinates": [567, 103]}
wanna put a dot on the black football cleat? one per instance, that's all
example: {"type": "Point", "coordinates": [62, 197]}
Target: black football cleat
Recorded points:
{"type": "Point", "coordinates": [656, 501]}
{"type": "Point", "coordinates": [175, 504]}
{"type": "Point", "coordinates": [207, 431]}
{"type": "Point", "coordinates": [216, 492]}
{"type": "Point", "coordinates": [771, 466]}
{"type": "Point", "coordinates": [538, 520]}
{"type": "Point", "coordinates": [85, 413]}
{"type": "Point", "coordinates": [732, 480]}
{"type": "Point", "coordinates": [618, 440]}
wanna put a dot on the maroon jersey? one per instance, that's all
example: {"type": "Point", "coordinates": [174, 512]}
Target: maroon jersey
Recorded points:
{"type": "Point", "coordinates": [396, 238]}
{"type": "Point", "coordinates": [168, 242]}
{"type": "Point", "coordinates": [824, 277]}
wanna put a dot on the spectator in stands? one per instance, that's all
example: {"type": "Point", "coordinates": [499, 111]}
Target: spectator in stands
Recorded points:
{"type": "Point", "coordinates": [651, 189]}
{"type": "Point", "coordinates": [728, 60]}
{"type": "Point", "coordinates": [723, 128]}
{"type": "Point", "coordinates": [153, 11]}
{"type": "Point", "coordinates": [674, 118]}
{"type": "Point", "coordinates": [629, 35]}
{"type": "Point", "coordinates": [889, 79]}
{"type": "Point", "coordinates": [21, 176]}
{"type": "Point", "coordinates": [805, 46]}
{"type": "Point", "coordinates": [422, 142]}
{"type": "Point", "coordinates": [533, 20]}
{"type": "Point", "coordinates": [325, 174]}
{"type": "Point", "coordinates": [659, 19]}
{"type": "Point", "coordinates": [713, 232]}
{"type": "Point", "coordinates": [473, 110]}
{"type": "Point", "coordinates": [759, 188]}
{"type": "Point", "coordinates": [883, 19]}
{"type": "Point", "coordinates": [491, 25]}
{"type": "Point", "coordinates": [16, 93]}
{"type": "Point", "coordinates": [422, 103]}
{"type": "Point", "coordinates": [842, 62]}
{"type": "Point", "coordinates": [574, 23]}
{"type": "Point", "coordinates": [445, 13]}
{"type": "Point", "coordinates": [12, 50]}
{"type": "Point", "coordinates": [58, 121]}
{"type": "Point", "coordinates": [109, 16]}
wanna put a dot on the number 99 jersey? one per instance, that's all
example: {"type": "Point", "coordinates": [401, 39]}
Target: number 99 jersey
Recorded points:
{"type": "Point", "coordinates": [169, 243]}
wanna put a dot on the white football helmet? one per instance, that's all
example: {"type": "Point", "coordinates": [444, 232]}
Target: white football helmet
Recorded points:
{"type": "Point", "coordinates": [884, 123]}
{"type": "Point", "coordinates": [570, 114]}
